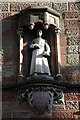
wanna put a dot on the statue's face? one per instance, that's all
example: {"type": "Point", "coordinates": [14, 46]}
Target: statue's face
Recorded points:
{"type": "Point", "coordinates": [40, 33]}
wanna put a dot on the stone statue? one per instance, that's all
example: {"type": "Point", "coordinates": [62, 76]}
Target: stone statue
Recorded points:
{"type": "Point", "coordinates": [41, 50]}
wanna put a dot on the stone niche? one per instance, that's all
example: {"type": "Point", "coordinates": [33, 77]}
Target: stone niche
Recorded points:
{"type": "Point", "coordinates": [41, 86]}
{"type": "Point", "coordinates": [39, 18]}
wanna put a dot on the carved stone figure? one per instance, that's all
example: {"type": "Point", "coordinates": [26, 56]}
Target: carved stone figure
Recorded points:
{"type": "Point", "coordinates": [41, 50]}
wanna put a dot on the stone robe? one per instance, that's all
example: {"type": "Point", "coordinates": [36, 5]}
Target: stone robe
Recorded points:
{"type": "Point", "coordinates": [39, 63]}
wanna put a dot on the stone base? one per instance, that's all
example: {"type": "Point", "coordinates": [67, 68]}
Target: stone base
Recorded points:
{"type": "Point", "coordinates": [59, 76]}
{"type": "Point", "coordinates": [41, 77]}
{"type": "Point", "coordinates": [20, 78]}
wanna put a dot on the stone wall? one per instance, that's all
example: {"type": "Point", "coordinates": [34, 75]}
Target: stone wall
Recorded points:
{"type": "Point", "coordinates": [71, 15]}
{"type": "Point", "coordinates": [70, 59]}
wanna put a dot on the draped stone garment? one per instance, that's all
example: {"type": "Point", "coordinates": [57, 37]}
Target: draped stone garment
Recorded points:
{"type": "Point", "coordinates": [39, 63]}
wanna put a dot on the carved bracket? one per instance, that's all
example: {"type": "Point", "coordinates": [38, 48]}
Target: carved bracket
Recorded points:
{"type": "Point", "coordinates": [41, 98]}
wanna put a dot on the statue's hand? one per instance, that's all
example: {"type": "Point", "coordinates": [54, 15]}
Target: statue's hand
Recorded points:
{"type": "Point", "coordinates": [36, 46]}
{"type": "Point", "coordinates": [32, 46]}
{"type": "Point", "coordinates": [45, 54]}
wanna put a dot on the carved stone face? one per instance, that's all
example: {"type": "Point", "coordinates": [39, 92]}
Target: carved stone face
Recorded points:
{"type": "Point", "coordinates": [39, 33]}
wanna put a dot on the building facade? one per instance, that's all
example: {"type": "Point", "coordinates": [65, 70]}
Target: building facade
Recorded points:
{"type": "Point", "coordinates": [16, 15]}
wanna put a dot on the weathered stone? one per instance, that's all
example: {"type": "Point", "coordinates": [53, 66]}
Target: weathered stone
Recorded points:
{"type": "Point", "coordinates": [63, 115]}
{"type": "Point", "coordinates": [21, 115]}
{"type": "Point", "coordinates": [7, 14]}
{"type": "Point", "coordinates": [6, 24]}
{"type": "Point", "coordinates": [74, 6]}
{"type": "Point", "coordinates": [7, 71]}
{"type": "Point", "coordinates": [71, 23]}
{"type": "Point", "coordinates": [0, 7]}
{"type": "Point", "coordinates": [71, 14]}
{"type": "Point", "coordinates": [72, 49]}
{"type": "Point", "coordinates": [60, 6]}
{"type": "Point", "coordinates": [76, 76]}
{"type": "Point", "coordinates": [7, 41]}
{"type": "Point", "coordinates": [7, 51]}
{"type": "Point", "coordinates": [72, 59]}
{"type": "Point", "coordinates": [72, 32]}
{"type": "Point", "coordinates": [71, 69]}
{"type": "Point", "coordinates": [72, 105]}
{"type": "Point", "coordinates": [6, 115]}
{"type": "Point", "coordinates": [45, 4]}
{"type": "Point", "coordinates": [4, 6]}
{"type": "Point", "coordinates": [58, 107]}
{"type": "Point", "coordinates": [72, 96]}
{"type": "Point", "coordinates": [73, 40]}
{"type": "Point", "coordinates": [20, 6]}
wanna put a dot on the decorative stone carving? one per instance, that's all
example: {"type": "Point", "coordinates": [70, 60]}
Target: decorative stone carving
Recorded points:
{"type": "Point", "coordinates": [72, 105]}
{"type": "Point", "coordinates": [73, 40]}
{"type": "Point", "coordinates": [41, 50]}
{"type": "Point", "coordinates": [63, 115]}
{"type": "Point", "coordinates": [72, 49]}
{"type": "Point", "coordinates": [41, 97]}
{"type": "Point", "coordinates": [71, 23]}
{"type": "Point", "coordinates": [71, 69]}
{"type": "Point", "coordinates": [5, 7]}
{"type": "Point", "coordinates": [58, 107]}
{"type": "Point", "coordinates": [45, 4]}
{"type": "Point", "coordinates": [5, 15]}
{"type": "Point", "coordinates": [73, 96]}
{"type": "Point", "coordinates": [20, 6]}
{"type": "Point", "coordinates": [72, 59]}
{"type": "Point", "coordinates": [71, 14]}
{"type": "Point", "coordinates": [74, 6]}
{"type": "Point", "coordinates": [60, 6]}
{"type": "Point", "coordinates": [76, 76]}
{"type": "Point", "coordinates": [72, 32]}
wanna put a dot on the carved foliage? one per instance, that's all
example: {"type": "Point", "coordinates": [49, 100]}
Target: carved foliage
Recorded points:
{"type": "Point", "coordinates": [34, 95]}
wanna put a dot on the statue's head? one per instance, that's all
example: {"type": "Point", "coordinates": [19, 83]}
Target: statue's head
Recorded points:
{"type": "Point", "coordinates": [39, 33]}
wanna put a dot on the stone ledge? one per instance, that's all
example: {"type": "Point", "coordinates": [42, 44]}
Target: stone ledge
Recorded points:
{"type": "Point", "coordinates": [28, 83]}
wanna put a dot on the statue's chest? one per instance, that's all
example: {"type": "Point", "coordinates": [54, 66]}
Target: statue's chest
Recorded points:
{"type": "Point", "coordinates": [40, 42]}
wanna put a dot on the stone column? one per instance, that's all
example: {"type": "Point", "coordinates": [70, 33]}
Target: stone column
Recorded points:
{"type": "Point", "coordinates": [58, 32]}
{"type": "Point", "coordinates": [20, 75]}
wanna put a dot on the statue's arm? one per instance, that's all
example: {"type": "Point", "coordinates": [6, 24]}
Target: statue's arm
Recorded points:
{"type": "Point", "coordinates": [47, 49]}
{"type": "Point", "coordinates": [34, 45]}
{"type": "Point", "coordinates": [46, 53]}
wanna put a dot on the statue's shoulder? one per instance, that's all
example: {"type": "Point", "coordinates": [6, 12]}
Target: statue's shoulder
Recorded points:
{"type": "Point", "coordinates": [43, 39]}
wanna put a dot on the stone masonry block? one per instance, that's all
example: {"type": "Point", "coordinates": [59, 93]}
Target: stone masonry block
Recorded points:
{"type": "Point", "coordinates": [8, 70]}
{"type": "Point", "coordinates": [71, 24]}
{"type": "Point", "coordinates": [20, 6]}
{"type": "Point", "coordinates": [72, 105]}
{"type": "Point", "coordinates": [63, 115]}
{"type": "Point", "coordinates": [74, 6]}
{"type": "Point", "coordinates": [60, 6]}
{"type": "Point", "coordinates": [72, 96]}
{"type": "Point", "coordinates": [70, 14]}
